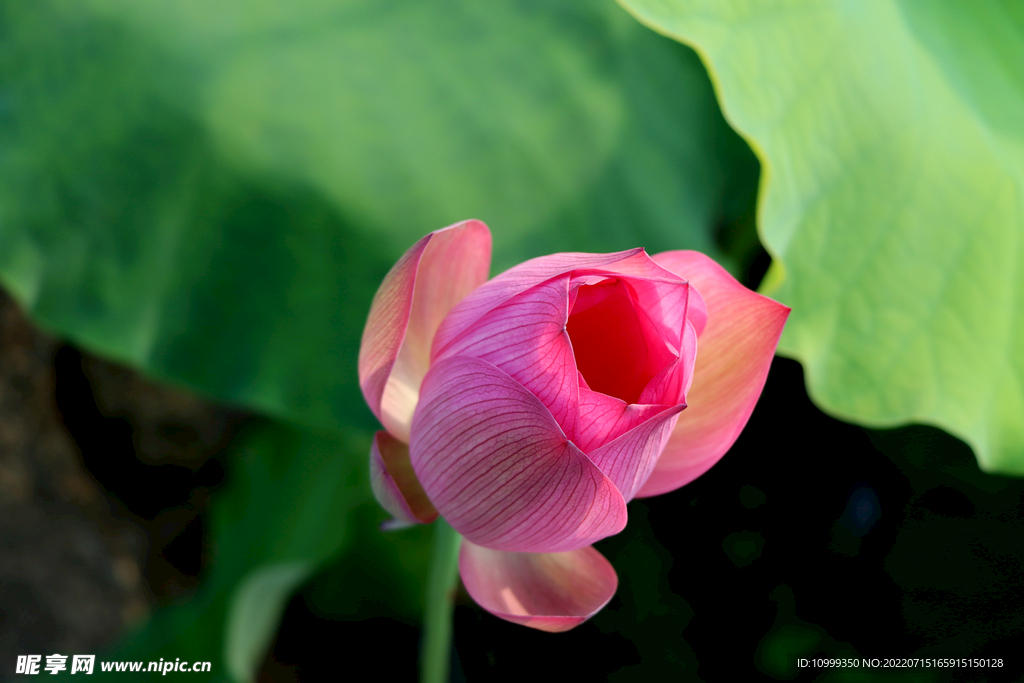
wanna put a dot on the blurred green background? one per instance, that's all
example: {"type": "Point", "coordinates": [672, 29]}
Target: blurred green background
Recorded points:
{"type": "Point", "coordinates": [210, 192]}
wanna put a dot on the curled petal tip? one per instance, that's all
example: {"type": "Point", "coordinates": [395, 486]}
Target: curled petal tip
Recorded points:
{"type": "Point", "coordinates": [546, 591]}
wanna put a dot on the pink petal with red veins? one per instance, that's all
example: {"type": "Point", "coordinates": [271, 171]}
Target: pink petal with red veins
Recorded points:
{"type": "Point", "coordinates": [547, 591]}
{"type": "Point", "coordinates": [629, 459]}
{"type": "Point", "coordinates": [603, 418]}
{"type": "Point", "coordinates": [518, 279]}
{"type": "Point", "coordinates": [499, 469]}
{"type": "Point", "coordinates": [394, 483]}
{"type": "Point", "coordinates": [434, 275]}
{"type": "Point", "coordinates": [736, 350]}
{"type": "Point", "coordinates": [525, 337]}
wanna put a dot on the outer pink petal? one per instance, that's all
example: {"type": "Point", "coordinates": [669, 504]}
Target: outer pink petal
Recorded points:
{"type": "Point", "coordinates": [525, 336]}
{"type": "Point", "coordinates": [547, 591]}
{"type": "Point", "coordinates": [500, 470]}
{"type": "Point", "coordinates": [433, 276]}
{"type": "Point", "coordinates": [629, 459]}
{"type": "Point", "coordinates": [394, 483]}
{"type": "Point", "coordinates": [736, 349]}
{"type": "Point", "coordinates": [518, 279]}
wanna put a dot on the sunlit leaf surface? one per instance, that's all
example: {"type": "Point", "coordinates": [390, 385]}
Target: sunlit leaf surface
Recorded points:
{"type": "Point", "coordinates": [892, 136]}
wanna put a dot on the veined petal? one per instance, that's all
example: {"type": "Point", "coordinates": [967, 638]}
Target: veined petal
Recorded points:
{"type": "Point", "coordinates": [629, 459]}
{"type": "Point", "coordinates": [633, 262]}
{"type": "Point", "coordinates": [736, 350]}
{"type": "Point", "coordinates": [433, 276]}
{"type": "Point", "coordinates": [547, 591]}
{"type": "Point", "coordinates": [518, 279]}
{"type": "Point", "coordinates": [525, 337]}
{"type": "Point", "coordinates": [499, 469]}
{"type": "Point", "coordinates": [394, 482]}
{"type": "Point", "coordinates": [603, 418]}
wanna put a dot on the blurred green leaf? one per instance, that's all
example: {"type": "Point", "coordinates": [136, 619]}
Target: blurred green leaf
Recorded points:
{"type": "Point", "coordinates": [211, 191]}
{"type": "Point", "coordinates": [292, 496]}
{"type": "Point", "coordinates": [192, 631]}
{"type": "Point", "coordinates": [892, 135]}
{"type": "Point", "coordinates": [290, 504]}
{"type": "Point", "coordinates": [256, 608]}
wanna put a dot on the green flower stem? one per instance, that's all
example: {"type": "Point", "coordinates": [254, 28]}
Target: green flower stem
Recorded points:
{"type": "Point", "coordinates": [436, 647]}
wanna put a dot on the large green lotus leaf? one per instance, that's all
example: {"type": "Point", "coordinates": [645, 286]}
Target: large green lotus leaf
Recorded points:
{"type": "Point", "coordinates": [211, 191]}
{"type": "Point", "coordinates": [892, 138]}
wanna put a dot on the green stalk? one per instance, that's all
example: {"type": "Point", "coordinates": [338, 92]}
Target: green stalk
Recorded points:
{"type": "Point", "coordinates": [436, 647]}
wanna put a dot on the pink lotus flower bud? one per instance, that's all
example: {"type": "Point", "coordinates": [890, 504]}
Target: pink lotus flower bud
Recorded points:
{"type": "Point", "coordinates": [528, 409]}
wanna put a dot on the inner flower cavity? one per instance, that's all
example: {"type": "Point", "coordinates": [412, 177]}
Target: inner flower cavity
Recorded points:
{"type": "Point", "coordinates": [618, 349]}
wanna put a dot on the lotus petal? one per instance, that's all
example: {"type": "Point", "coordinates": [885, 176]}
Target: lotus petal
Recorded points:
{"type": "Point", "coordinates": [603, 418]}
{"type": "Point", "coordinates": [525, 337]}
{"type": "Point", "coordinates": [736, 350]}
{"type": "Point", "coordinates": [662, 301]}
{"type": "Point", "coordinates": [672, 384]}
{"type": "Point", "coordinates": [530, 273]}
{"type": "Point", "coordinates": [629, 459]}
{"type": "Point", "coordinates": [496, 465]}
{"type": "Point", "coordinates": [394, 483]}
{"type": "Point", "coordinates": [432, 277]}
{"type": "Point", "coordinates": [618, 348]}
{"type": "Point", "coordinates": [547, 591]}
